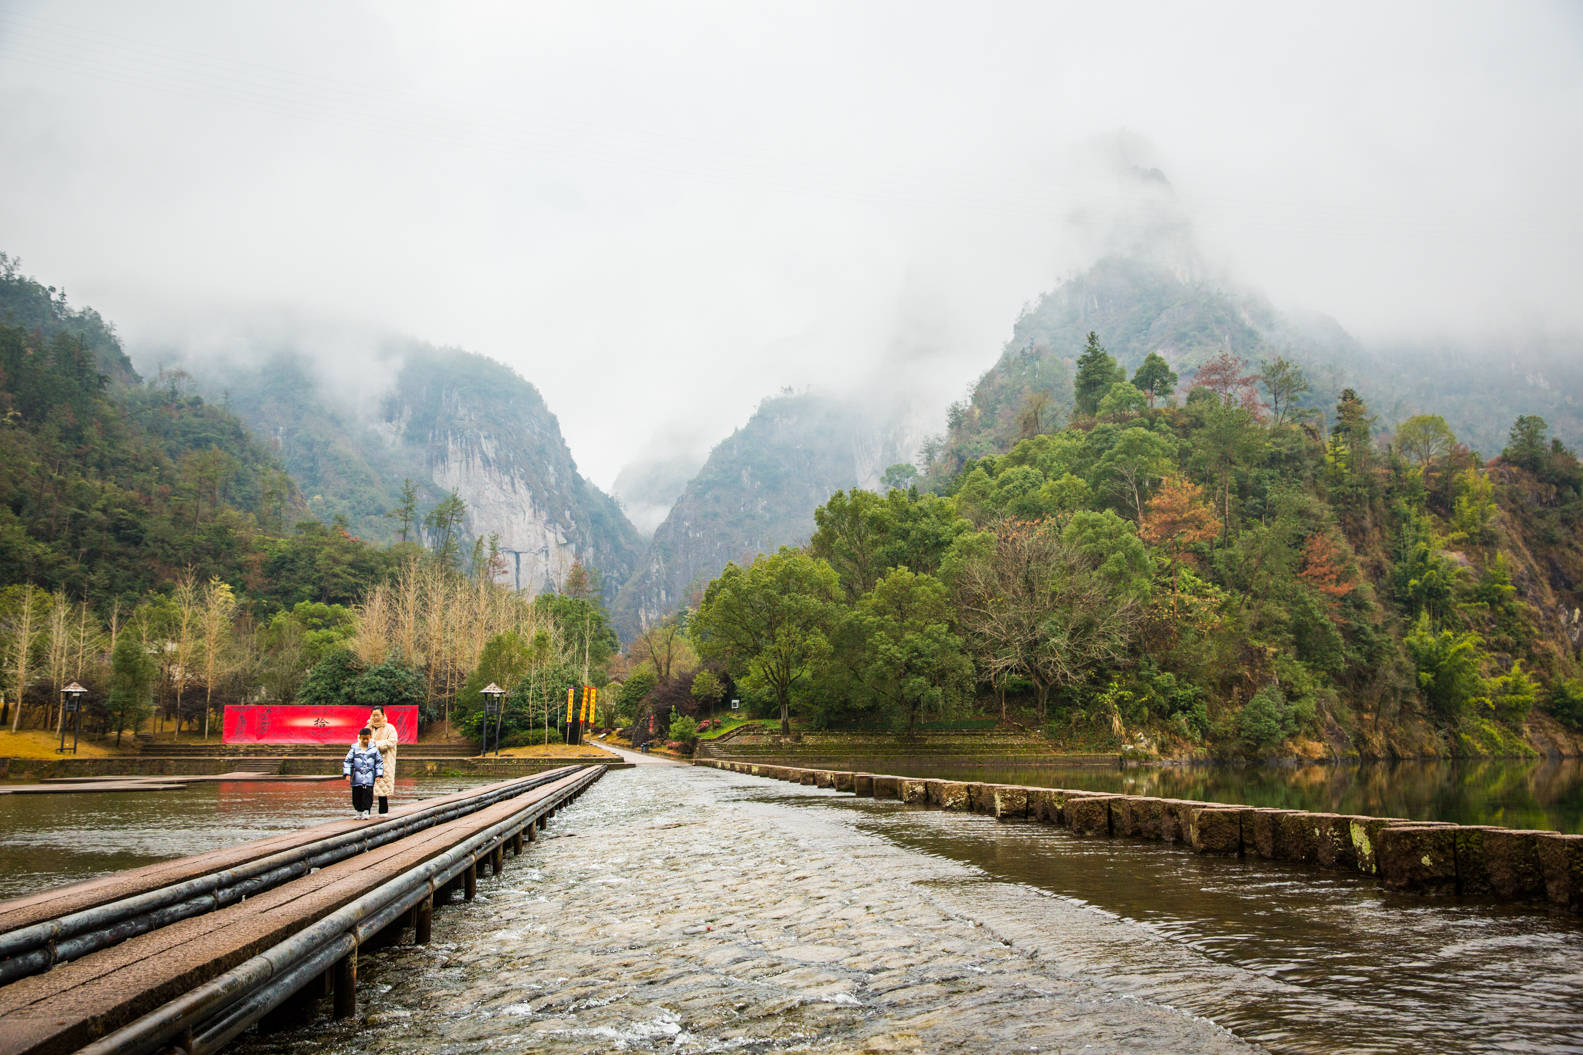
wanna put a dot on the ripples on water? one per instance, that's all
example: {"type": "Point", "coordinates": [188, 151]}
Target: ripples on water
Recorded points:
{"type": "Point", "coordinates": [1292, 957]}
{"type": "Point", "coordinates": [590, 947]}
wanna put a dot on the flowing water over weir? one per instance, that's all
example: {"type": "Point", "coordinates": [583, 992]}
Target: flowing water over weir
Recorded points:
{"type": "Point", "coordinates": [687, 910]}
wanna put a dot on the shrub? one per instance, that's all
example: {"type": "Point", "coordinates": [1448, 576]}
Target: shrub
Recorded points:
{"type": "Point", "coordinates": [1565, 701]}
{"type": "Point", "coordinates": [1448, 667]}
{"type": "Point", "coordinates": [1265, 721]}
{"type": "Point", "coordinates": [683, 730]}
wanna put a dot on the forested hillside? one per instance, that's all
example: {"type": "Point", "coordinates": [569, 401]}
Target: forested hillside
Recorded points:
{"type": "Point", "coordinates": [341, 464]}
{"type": "Point", "coordinates": [114, 486]}
{"type": "Point", "coordinates": [156, 553]}
{"type": "Point", "coordinates": [1220, 577]}
{"type": "Point", "coordinates": [1141, 308]}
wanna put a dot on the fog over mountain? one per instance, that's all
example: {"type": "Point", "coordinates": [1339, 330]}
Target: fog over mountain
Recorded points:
{"type": "Point", "coordinates": [660, 216]}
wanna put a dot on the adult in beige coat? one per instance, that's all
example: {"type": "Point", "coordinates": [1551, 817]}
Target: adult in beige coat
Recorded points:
{"type": "Point", "coordinates": [385, 741]}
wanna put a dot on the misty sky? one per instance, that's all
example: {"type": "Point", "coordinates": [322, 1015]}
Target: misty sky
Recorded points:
{"type": "Point", "coordinates": [661, 213]}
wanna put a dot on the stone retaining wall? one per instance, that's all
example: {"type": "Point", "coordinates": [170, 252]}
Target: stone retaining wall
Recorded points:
{"type": "Point", "coordinates": [1425, 856]}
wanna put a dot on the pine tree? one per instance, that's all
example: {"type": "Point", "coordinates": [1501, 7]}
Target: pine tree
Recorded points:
{"type": "Point", "coordinates": [1096, 372]}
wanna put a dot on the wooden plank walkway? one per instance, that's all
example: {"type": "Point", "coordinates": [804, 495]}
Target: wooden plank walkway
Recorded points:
{"type": "Point", "coordinates": [77, 1002]}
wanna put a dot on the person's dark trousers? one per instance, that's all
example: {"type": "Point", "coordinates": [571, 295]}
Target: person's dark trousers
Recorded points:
{"type": "Point", "coordinates": [362, 797]}
{"type": "Point", "coordinates": [384, 804]}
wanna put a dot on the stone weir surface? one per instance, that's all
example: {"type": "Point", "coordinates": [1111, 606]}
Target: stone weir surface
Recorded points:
{"type": "Point", "coordinates": [1436, 857]}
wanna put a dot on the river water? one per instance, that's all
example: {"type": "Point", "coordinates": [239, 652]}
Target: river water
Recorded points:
{"type": "Point", "coordinates": [674, 909]}
{"type": "Point", "coordinates": [51, 840]}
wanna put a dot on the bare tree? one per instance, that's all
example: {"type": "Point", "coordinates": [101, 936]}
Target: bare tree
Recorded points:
{"type": "Point", "coordinates": [22, 614]}
{"type": "Point", "coordinates": [217, 614]}
{"type": "Point", "coordinates": [1033, 605]}
{"type": "Point", "coordinates": [184, 632]}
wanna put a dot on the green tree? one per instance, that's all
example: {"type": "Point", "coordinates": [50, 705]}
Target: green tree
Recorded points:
{"type": "Point", "coordinates": [131, 700]}
{"type": "Point", "coordinates": [1121, 402]}
{"type": "Point", "coordinates": [706, 689]}
{"type": "Point", "coordinates": [1137, 461]}
{"type": "Point", "coordinates": [1112, 548]}
{"type": "Point", "coordinates": [636, 689]}
{"type": "Point", "coordinates": [683, 730]}
{"type": "Point", "coordinates": [1265, 721]}
{"type": "Point", "coordinates": [1351, 448]}
{"type": "Point", "coordinates": [444, 525]}
{"type": "Point", "coordinates": [1449, 663]}
{"type": "Point", "coordinates": [1286, 384]}
{"type": "Point", "coordinates": [406, 511]}
{"type": "Point", "coordinates": [1096, 372]}
{"type": "Point", "coordinates": [770, 620]}
{"type": "Point", "coordinates": [1526, 444]}
{"type": "Point", "coordinates": [906, 656]}
{"type": "Point", "coordinates": [330, 681]}
{"type": "Point", "coordinates": [1516, 692]}
{"type": "Point", "coordinates": [1564, 699]}
{"type": "Point", "coordinates": [850, 534]}
{"type": "Point", "coordinates": [388, 684]}
{"type": "Point", "coordinates": [1473, 513]}
{"type": "Point", "coordinates": [1227, 438]}
{"type": "Point", "coordinates": [506, 660]}
{"type": "Point", "coordinates": [1155, 378]}
{"type": "Point", "coordinates": [1424, 439]}
{"type": "Point", "coordinates": [584, 626]}
{"type": "Point", "coordinates": [900, 477]}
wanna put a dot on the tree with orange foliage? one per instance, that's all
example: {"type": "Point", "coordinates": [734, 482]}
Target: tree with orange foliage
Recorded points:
{"type": "Point", "coordinates": [1325, 567]}
{"type": "Point", "coordinates": [1176, 518]}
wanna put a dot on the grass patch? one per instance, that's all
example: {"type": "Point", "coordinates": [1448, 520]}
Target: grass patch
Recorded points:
{"type": "Point", "coordinates": [40, 744]}
{"type": "Point", "coordinates": [771, 724]}
{"type": "Point", "coordinates": [553, 751]}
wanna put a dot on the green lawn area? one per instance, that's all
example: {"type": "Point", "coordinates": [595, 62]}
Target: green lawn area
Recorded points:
{"type": "Point", "coordinates": [772, 724]}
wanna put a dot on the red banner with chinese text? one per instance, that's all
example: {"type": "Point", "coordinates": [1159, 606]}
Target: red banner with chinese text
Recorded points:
{"type": "Point", "coordinates": [261, 723]}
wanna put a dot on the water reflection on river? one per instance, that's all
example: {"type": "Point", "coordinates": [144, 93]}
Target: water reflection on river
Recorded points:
{"type": "Point", "coordinates": [1512, 794]}
{"type": "Point", "coordinates": [52, 840]}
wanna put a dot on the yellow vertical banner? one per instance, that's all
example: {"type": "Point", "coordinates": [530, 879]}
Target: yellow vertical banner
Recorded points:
{"type": "Point", "coordinates": [570, 713]}
{"type": "Point", "coordinates": [593, 705]}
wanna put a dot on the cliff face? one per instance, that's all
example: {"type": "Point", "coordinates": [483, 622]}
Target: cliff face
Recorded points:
{"type": "Point", "coordinates": [757, 492]}
{"type": "Point", "coordinates": [448, 421]}
{"type": "Point", "coordinates": [485, 433]}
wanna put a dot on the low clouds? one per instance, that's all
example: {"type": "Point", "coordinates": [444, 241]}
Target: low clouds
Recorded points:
{"type": "Point", "coordinates": [659, 215]}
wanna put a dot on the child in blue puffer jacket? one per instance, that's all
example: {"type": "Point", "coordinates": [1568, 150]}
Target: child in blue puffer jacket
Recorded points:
{"type": "Point", "coordinates": [362, 766]}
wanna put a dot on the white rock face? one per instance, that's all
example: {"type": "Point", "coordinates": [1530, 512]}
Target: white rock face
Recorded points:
{"type": "Point", "coordinates": [536, 549]}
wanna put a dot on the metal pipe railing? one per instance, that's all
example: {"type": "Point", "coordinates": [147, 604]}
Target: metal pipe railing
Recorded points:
{"type": "Point", "coordinates": [39, 946]}
{"type": "Point", "coordinates": [214, 1013]}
